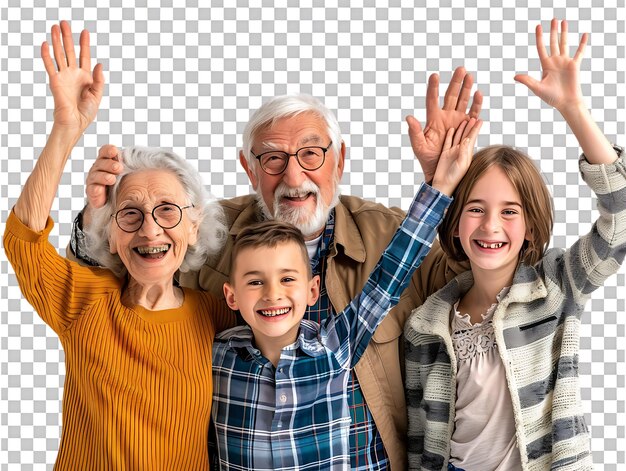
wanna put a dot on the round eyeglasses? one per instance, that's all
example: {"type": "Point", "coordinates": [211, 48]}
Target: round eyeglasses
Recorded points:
{"type": "Point", "coordinates": [274, 162]}
{"type": "Point", "coordinates": [166, 215]}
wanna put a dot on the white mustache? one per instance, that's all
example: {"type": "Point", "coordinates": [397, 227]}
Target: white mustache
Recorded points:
{"type": "Point", "coordinates": [282, 190]}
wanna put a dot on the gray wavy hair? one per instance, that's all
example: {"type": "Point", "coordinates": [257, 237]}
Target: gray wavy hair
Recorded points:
{"type": "Point", "coordinates": [206, 213]}
{"type": "Point", "coordinates": [286, 106]}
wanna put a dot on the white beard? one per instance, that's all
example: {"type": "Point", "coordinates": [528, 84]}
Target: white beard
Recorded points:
{"type": "Point", "coordinates": [309, 223]}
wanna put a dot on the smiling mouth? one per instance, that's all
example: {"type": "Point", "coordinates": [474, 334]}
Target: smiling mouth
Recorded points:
{"type": "Point", "coordinates": [297, 198]}
{"type": "Point", "coordinates": [154, 252]}
{"type": "Point", "coordinates": [487, 245]}
{"type": "Point", "coordinates": [274, 312]}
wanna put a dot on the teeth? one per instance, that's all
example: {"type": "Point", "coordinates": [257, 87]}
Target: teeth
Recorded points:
{"type": "Point", "coordinates": [274, 312]}
{"type": "Point", "coordinates": [153, 249]}
{"type": "Point", "coordinates": [497, 245]}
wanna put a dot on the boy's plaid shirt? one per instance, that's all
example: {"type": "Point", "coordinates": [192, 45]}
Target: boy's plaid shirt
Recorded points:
{"type": "Point", "coordinates": [295, 416]}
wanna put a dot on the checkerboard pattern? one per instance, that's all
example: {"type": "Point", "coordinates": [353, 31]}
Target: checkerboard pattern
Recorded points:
{"type": "Point", "coordinates": [189, 78]}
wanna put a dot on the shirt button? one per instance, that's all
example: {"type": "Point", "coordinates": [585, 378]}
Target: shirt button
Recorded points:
{"type": "Point", "coordinates": [280, 370]}
{"type": "Point", "coordinates": [283, 398]}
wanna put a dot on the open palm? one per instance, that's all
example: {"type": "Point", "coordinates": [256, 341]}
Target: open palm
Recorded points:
{"type": "Point", "coordinates": [76, 90]}
{"type": "Point", "coordinates": [559, 86]}
{"type": "Point", "coordinates": [428, 143]}
{"type": "Point", "coordinates": [456, 155]}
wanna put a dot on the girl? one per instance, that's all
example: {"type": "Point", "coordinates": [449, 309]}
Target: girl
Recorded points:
{"type": "Point", "coordinates": [492, 358]}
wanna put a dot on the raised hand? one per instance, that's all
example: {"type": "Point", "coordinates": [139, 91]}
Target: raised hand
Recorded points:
{"type": "Point", "coordinates": [428, 143]}
{"type": "Point", "coordinates": [76, 91]}
{"type": "Point", "coordinates": [559, 86]}
{"type": "Point", "coordinates": [456, 156]}
{"type": "Point", "coordinates": [77, 94]}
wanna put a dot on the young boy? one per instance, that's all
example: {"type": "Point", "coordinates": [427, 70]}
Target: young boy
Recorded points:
{"type": "Point", "coordinates": [280, 382]}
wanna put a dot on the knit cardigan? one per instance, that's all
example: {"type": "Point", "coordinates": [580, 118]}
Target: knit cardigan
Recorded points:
{"type": "Point", "coordinates": [537, 327]}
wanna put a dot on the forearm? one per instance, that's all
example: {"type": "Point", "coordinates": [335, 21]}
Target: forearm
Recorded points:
{"type": "Point", "coordinates": [593, 142]}
{"type": "Point", "coordinates": [34, 204]}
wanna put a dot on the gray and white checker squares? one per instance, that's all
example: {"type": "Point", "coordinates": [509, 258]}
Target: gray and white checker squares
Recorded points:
{"type": "Point", "coordinates": [188, 78]}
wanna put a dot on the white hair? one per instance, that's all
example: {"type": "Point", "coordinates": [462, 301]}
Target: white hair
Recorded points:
{"type": "Point", "coordinates": [286, 106]}
{"type": "Point", "coordinates": [207, 213]}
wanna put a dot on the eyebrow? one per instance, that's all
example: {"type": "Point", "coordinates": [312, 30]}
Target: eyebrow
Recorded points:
{"type": "Point", "coordinates": [259, 272]}
{"type": "Point", "coordinates": [307, 140]}
{"type": "Point", "coordinates": [504, 203]}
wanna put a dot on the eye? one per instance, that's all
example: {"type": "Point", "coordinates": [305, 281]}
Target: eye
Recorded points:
{"type": "Point", "coordinates": [254, 283]}
{"type": "Point", "coordinates": [474, 210]}
{"type": "Point", "coordinates": [509, 212]}
{"type": "Point", "coordinates": [288, 279]}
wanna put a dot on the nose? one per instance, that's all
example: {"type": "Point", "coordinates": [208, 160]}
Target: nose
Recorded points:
{"type": "Point", "coordinates": [491, 222]}
{"type": "Point", "coordinates": [272, 291]}
{"type": "Point", "coordinates": [294, 174]}
{"type": "Point", "coordinates": [149, 228]}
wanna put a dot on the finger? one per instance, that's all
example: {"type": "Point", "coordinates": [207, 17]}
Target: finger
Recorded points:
{"type": "Point", "coordinates": [98, 81]}
{"type": "Point", "coordinates": [468, 143]}
{"type": "Point", "coordinates": [458, 135]}
{"type": "Point", "coordinates": [581, 48]}
{"type": "Point", "coordinates": [109, 151]}
{"type": "Point", "coordinates": [541, 48]}
{"type": "Point", "coordinates": [102, 177]}
{"type": "Point", "coordinates": [470, 125]}
{"type": "Point", "coordinates": [554, 44]}
{"type": "Point", "coordinates": [452, 92]}
{"type": "Point", "coordinates": [96, 195]}
{"type": "Point", "coordinates": [432, 94]}
{"type": "Point", "coordinates": [68, 44]}
{"type": "Point", "coordinates": [57, 48]}
{"type": "Point", "coordinates": [563, 39]}
{"type": "Point", "coordinates": [527, 80]}
{"type": "Point", "coordinates": [85, 53]}
{"type": "Point", "coordinates": [466, 92]}
{"type": "Point", "coordinates": [48, 63]}
{"type": "Point", "coordinates": [477, 104]}
{"type": "Point", "coordinates": [448, 142]}
{"type": "Point", "coordinates": [416, 134]}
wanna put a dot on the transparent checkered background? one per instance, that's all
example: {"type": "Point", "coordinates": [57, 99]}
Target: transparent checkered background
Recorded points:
{"type": "Point", "coordinates": [188, 79]}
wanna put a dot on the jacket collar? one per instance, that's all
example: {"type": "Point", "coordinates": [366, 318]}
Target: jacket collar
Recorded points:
{"type": "Point", "coordinates": [347, 235]}
{"type": "Point", "coordinates": [433, 317]}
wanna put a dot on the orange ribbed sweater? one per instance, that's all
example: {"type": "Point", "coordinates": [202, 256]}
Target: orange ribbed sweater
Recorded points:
{"type": "Point", "coordinates": [138, 383]}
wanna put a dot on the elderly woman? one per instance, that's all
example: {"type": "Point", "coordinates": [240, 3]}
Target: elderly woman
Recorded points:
{"type": "Point", "coordinates": [137, 347]}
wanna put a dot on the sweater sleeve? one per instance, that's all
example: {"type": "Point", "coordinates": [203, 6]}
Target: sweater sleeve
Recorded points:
{"type": "Point", "coordinates": [600, 253]}
{"type": "Point", "coordinates": [58, 289]}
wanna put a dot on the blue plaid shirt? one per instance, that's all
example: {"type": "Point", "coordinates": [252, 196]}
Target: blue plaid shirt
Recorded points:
{"type": "Point", "coordinates": [295, 416]}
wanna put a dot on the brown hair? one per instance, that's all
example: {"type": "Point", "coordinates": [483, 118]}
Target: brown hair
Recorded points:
{"type": "Point", "coordinates": [529, 184]}
{"type": "Point", "coordinates": [269, 234]}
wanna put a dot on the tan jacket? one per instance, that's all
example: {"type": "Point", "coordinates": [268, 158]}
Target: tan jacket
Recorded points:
{"type": "Point", "coordinates": [362, 231]}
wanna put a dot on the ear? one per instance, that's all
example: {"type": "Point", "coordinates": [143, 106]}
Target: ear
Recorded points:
{"type": "Point", "coordinates": [529, 234]}
{"type": "Point", "coordinates": [112, 244]}
{"type": "Point", "coordinates": [193, 233]}
{"type": "Point", "coordinates": [254, 181]}
{"type": "Point", "coordinates": [314, 290]}
{"type": "Point", "coordinates": [341, 160]}
{"type": "Point", "coordinates": [229, 295]}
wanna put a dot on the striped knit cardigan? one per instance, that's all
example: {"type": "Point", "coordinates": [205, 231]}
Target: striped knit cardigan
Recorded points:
{"type": "Point", "coordinates": [537, 331]}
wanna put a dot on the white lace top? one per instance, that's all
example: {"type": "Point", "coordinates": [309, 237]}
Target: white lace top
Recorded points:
{"type": "Point", "coordinates": [484, 433]}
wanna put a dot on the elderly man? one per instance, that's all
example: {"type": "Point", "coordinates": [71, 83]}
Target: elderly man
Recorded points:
{"type": "Point", "coordinates": [294, 156]}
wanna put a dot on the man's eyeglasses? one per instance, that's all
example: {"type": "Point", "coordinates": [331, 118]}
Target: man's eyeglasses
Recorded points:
{"type": "Point", "coordinates": [166, 215]}
{"type": "Point", "coordinates": [275, 162]}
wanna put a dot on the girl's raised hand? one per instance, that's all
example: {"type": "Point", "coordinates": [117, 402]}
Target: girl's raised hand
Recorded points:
{"type": "Point", "coordinates": [76, 91]}
{"type": "Point", "coordinates": [559, 86]}
{"type": "Point", "coordinates": [456, 156]}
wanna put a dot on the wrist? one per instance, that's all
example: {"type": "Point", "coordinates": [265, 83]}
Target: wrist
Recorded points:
{"type": "Point", "coordinates": [574, 110]}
